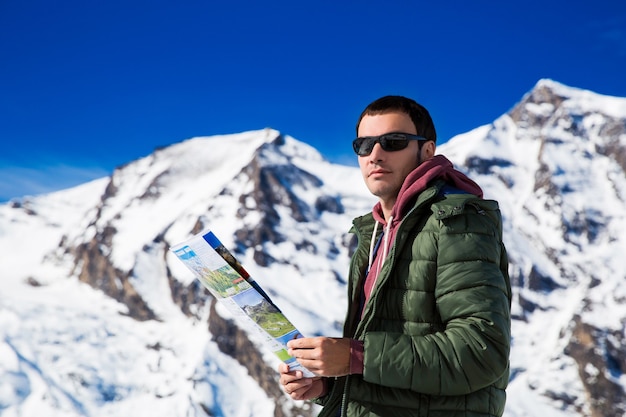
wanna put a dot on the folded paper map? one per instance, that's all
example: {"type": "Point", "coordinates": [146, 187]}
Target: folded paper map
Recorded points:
{"type": "Point", "coordinates": [227, 280]}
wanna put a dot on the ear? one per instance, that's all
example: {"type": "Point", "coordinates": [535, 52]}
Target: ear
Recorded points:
{"type": "Point", "coordinates": [428, 150]}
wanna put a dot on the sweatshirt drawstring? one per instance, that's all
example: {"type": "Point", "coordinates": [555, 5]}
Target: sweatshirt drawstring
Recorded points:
{"type": "Point", "coordinates": [372, 245]}
{"type": "Point", "coordinates": [386, 243]}
{"type": "Point", "coordinates": [373, 250]}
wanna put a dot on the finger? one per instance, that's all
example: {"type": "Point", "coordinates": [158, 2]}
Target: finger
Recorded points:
{"type": "Point", "coordinates": [299, 388]}
{"type": "Point", "coordinates": [299, 394]}
{"type": "Point", "coordinates": [304, 354]}
{"type": "Point", "coordinates": [310, 364]}
{"type": "Point", "coordinates": [294, 344]}
{"type": "Point", "coordinates": [283, 368]}
{"type": "Point", "coordinates": [286, 379]}
{"type": "Point", "coordinates": [299, 352]}
{"type": "Point", "coordinates": [292, 387]}
{"type": "Point", "coordinates": [301, 343]}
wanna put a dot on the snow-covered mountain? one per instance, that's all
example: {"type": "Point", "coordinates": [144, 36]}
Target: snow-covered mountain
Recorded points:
{"type": "Point", "coordinates": [98, 318]}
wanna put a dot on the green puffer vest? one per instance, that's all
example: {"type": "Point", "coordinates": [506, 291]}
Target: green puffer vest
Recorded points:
{"type": "Point", "coordinates": [437, 328]}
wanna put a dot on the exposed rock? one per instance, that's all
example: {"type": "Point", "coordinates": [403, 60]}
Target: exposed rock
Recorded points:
{"type": "Point", "coordinates": [272, 187]}
{"type": "Point", "coordinates": [601, 358]}
{"type": "Point", "coordinates": [95, 268]}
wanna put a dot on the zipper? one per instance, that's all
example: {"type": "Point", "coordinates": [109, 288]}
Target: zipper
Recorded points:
{"type": "Point", "coordinates": [344, 398]}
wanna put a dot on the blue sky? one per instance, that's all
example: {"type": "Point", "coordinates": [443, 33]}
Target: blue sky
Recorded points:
{"type": "Point", "coordinates": [86, 86]}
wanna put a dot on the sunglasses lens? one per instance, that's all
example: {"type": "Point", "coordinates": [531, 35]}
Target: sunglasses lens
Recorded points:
{"type": "Point", "coordinates": [393, 142]}
{"type": "Point", "coordinates": [364, 146]}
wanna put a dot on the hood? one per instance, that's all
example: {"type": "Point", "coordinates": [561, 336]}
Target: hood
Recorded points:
{"type": "Point", "coordinates": [437, 167]}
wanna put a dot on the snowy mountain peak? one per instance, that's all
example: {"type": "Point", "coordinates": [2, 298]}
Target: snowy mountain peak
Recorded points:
{"type": "Point", "coordinates": [549, 95]}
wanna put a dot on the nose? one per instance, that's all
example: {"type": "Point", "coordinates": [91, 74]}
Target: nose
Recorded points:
{"type": "Point", "coordinates": [377, 153]}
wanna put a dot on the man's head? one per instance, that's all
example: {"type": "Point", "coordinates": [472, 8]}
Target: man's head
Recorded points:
{"type": "Point", "coordinates": [388, 159]}
{"type": "Point", "coordinates": [420, 117]}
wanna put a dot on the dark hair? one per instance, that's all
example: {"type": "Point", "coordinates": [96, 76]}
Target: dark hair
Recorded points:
{"type": "Point", "coordinates": [424, 125]}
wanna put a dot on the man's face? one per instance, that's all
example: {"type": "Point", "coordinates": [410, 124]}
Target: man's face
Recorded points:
{"type": "Point", "coordinates": [384, 172]}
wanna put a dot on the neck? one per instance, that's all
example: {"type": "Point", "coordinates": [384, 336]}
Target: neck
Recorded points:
{"type": "Point", "coordinates": [386, 207]}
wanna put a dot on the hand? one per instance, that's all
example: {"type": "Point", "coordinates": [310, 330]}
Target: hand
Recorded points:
{"type": "Point", "coordinates": [324, 356]}
{"type": "Point", "coordinates": [300, 388]}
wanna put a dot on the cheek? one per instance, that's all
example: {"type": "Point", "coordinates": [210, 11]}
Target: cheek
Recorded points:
{"type": "Point", "coordinates": [411, 161]}
{"type": "Point", "coordinates": [362, 165]}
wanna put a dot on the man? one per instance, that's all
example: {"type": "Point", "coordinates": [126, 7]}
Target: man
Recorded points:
{"type": "Point", "coordinates": [427, 331]}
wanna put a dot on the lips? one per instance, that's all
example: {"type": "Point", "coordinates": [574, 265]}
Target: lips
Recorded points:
{"type": "Point", "coordinates": [378, 172]}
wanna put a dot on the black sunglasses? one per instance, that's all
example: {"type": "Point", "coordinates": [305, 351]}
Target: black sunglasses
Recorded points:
{"type": "Point", "coordinates": [390, 142]}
